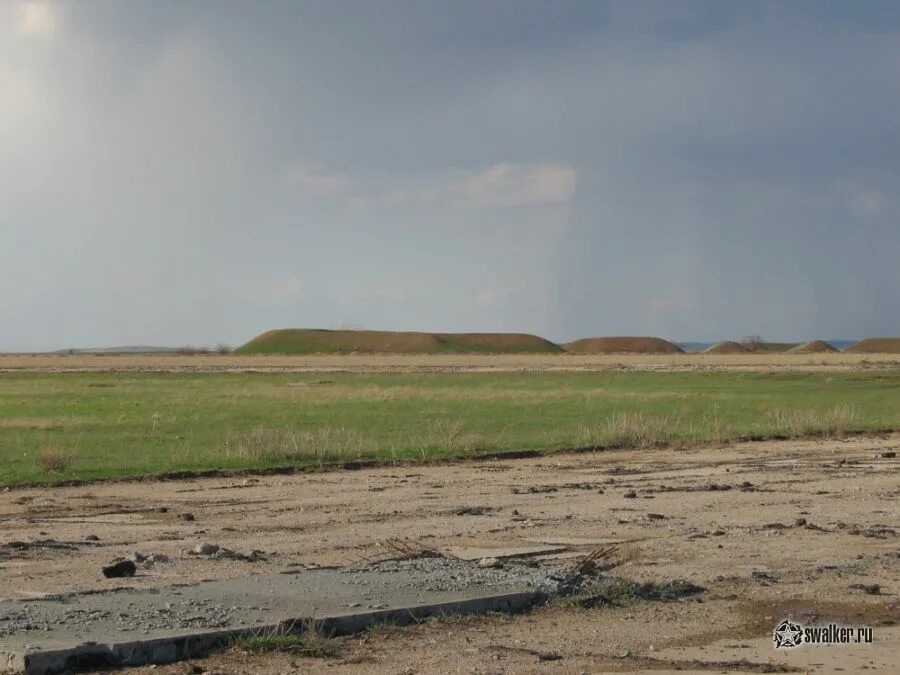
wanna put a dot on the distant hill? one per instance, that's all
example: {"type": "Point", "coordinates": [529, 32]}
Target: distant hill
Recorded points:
{"type": "Point", "coordinates": [726, 347]}
{"type": "Point", "coordinates": [321, 341]}
{"type": "Point", "coordinates": [813, 347]}
{"type": "Point", "coordinates": [622, 345]}
{"type": "Point", "coordinates": [885, 345]}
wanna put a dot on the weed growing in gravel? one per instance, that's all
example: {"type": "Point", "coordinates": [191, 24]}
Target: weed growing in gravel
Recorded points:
{"type": "Point", "coordinates": [616, 592]}
{"type": "Point", "coordinates": [309, 641]}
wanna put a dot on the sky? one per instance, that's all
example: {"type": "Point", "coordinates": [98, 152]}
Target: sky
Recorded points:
{"type": "Point", "coordinates": [177, 173]}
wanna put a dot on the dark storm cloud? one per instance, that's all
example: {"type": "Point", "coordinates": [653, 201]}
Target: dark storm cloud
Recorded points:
{"type": "Point", "coordinates": [199, 172]}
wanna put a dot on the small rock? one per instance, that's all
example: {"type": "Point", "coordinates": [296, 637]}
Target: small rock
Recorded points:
{"type": "Point", "coordinates": [717, 533]}
{"type": "Point", "coordinates": [871, 589]}
{"type": "Point", "coordinates": [655, 516]}
{"type": "Point", "coordinates": [187, 517]}
{"type": "Point", "coordinates": [800, 522]}
{"type": "Point", "coordinates": [125, 568]}
{"type": "Point", "coordinates": [488, 563]}
{"type": "Point", "coordinates": [205, 549]}
{"type": "Point", "coordinates": [92, 537]}
{"type": "Point", "coordinates": [889, 455]}
{"type": "Point", "coordinates": [773, 526]}
{"type": "Point", "coordinates": [631, 494]}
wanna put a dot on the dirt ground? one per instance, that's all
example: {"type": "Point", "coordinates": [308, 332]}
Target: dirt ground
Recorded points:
{"type": "Point", "coordinates": [444, 362]}
{"type": "Point", "coordinates": [770, 530]}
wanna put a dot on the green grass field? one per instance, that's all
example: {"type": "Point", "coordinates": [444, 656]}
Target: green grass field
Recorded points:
{"type": "Point", "coordinates": [60, 426]}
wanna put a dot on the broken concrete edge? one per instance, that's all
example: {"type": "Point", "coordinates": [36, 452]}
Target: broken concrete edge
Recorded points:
{"type": "Point", "coordinates": [179, 647]}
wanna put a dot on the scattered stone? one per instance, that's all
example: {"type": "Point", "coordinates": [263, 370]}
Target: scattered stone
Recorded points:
{"type": "Point", "coordinates": [228, 554]}
{"type": "Point", "coordinates": [889, 455]}
{"type": "Point", "coordinates": [187, 517]}
{"type": "Point", "coordinates": [871, 589]}
{"type": "Point", "coordinates": [717, 533]}
{"type": "Point", "coordinates": [800, 522]}
{"type": "Point", "coordinates": [489, 563]}
{"type": "Point", "coordinates": [655, 516]}
{"type": "Point", "coordinates": [162, 509]}
{"type": "Point", "coordinates": [774, 526]}
{"type": "Point", "coordinates": [631, 494]}
{"type": "Point", "coordinates": [205, 549]}
{"type": "Point", "coordinates": [92, 537]}
{"type": "Point", "coordinates": [764, 576]}
{"type": "Point", "coordinates": [124, 568]}
{"type": "Point", "coordinates": [535, 490]}
{"type": "Point", "coordinates": [471, 511]}
{"type": "Point", "coordinates": [549, 656]}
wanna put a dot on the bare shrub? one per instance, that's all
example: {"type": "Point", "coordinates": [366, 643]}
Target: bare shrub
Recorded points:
{"type": "Point", "coordinates": [752, 342]}
{"type": "Point", "coordinates": [54, 460]}
{"type": "Point", "coordinates": [223, 349]}
{"type": "Point", "coordinates": [190, 350]}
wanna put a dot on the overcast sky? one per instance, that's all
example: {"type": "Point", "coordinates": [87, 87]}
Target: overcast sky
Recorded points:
{"type": "Point", "coordinates": [197, 172]}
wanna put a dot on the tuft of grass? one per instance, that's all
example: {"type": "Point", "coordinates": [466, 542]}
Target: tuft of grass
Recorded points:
{"type": "Point", "coordinates": [628, 430]}
{"type": "Point", "coordinates": [267, 445]}
{"type": "Point", "coordinates": [308, 641]}
{"type": "Point", "coordinates": [54, 460]}
{"type": "Point", "coordinates": [617, 592]}
{"type": "Point", "coordinates": [833, 422]}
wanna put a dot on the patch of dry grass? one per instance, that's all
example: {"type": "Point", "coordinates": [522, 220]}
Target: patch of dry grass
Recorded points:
{"type": "Point", "coordinates": [834, 422]}
{"type": "Point", "coordinates": [628, 430]}
{"type": "Point", "coordinates": [273, 444]}
{"type": "Point", "coordinates": [54, 460]}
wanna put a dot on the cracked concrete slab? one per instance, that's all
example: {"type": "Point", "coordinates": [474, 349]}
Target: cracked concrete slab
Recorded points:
{"type": "Point", "coordinates": [130, 627]}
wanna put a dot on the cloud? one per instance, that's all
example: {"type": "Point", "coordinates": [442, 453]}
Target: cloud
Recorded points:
{"type": "Point", "coordinates": [269, 292]}
{"type": "Point", "coordinates": [36, 19]}
{"type": "Point", "coordinates": [379, 295]}
{"type": "Point", "coordinates": [868, 203]}
{"type": "Point", "coordinates": [515, 185]}
{"type": "Point", "coordinates": [316, 180]}
{"type": "Point", "coordinates": [520, 185]}
{"type": "Point", "coordinates": [491, 297]}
